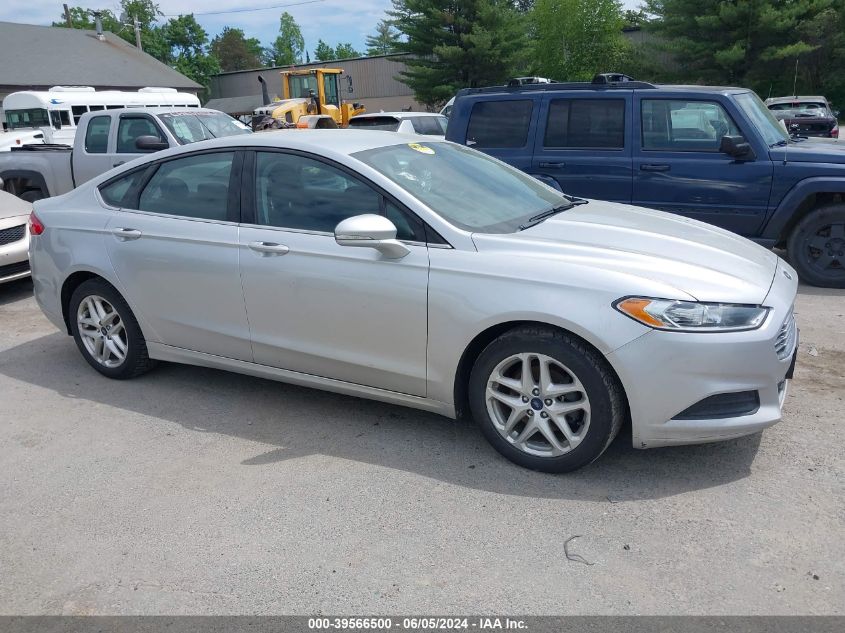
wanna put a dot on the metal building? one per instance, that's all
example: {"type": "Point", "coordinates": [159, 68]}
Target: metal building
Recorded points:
{"type": "Point", "coordinates": [371, 81]}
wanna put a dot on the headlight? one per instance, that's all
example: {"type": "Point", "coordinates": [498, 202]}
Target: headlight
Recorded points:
{"type": "Point", "coordinates": [692, 316]}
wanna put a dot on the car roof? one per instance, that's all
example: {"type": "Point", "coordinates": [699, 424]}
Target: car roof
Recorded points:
{"type": "Point", "coordinates": [397, 115]}
{"type": "Point", "coordinates": [323, 142]}
{"type": "Point", "coordinates": [168, 110]}
{"type": "Point", "coordinates": [623, 86]}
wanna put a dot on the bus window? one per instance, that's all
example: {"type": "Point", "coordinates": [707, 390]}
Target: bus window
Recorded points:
{"type": "Point", "coordinates": [78, 111]}
{"type": "Point", "coordinates": [56, 119]}
{"type": "Point", "coordinates": [97, 107]}
{"type": "Point", "coordinates": [64, 115]}
{"type": "Point", "coordinates": [114, 107]}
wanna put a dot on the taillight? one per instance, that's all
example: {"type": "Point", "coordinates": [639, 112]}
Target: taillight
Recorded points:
{"type": "Point", "coordinates": [35, 225]}
{"type": "Point", "coordinates": [834, 133]}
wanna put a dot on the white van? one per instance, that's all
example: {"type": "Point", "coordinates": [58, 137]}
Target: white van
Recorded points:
{"type": "Point", "coordinates": [51, 116]}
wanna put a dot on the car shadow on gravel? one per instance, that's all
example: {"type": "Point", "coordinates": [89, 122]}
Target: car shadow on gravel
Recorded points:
{"type": "Point", "coordinates": [296, 422]}
{"type": "Point", "coordinates": [13, 291]}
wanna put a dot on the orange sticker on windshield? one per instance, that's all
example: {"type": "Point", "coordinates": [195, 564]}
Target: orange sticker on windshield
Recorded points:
{"type": "Point", "coordinates": [422, 149]}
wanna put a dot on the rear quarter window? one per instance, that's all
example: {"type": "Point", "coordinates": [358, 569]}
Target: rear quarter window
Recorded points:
{"type": "Point", "coordinates": [500, 124]}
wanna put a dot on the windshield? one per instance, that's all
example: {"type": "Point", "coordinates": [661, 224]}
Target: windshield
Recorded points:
{"type": "Point", "coordinates": [34, 117]}
{"type": "Point", "coordinates": [191, 127]}
{"type": "Point", "coordinates": [798, 106]}
{"type": "Point", "coordinates": [388, 123]}
{"type": "Point", "coordinates": [467, 188]}
{"type": "Point", "coordinates": [762, 118]}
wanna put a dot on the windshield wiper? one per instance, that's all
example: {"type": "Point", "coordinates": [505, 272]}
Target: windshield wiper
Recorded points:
{"type": "Point", "coordinates": [535, 220]}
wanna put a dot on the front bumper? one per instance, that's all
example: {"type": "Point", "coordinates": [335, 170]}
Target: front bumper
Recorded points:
{"type": "Point", "coordinates": [14, 256]}
{"type": "Point", "coordinates": [666, 373]}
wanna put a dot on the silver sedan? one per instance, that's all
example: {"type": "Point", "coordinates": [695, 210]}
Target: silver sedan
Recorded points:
{"type": "Point", "coordinates": [425, 274]}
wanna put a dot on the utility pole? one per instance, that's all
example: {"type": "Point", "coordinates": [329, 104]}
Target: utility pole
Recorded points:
{"type": "Point", "coordinates": [137, 33]}
{"type": "Point", "coordinates": [67, 17]}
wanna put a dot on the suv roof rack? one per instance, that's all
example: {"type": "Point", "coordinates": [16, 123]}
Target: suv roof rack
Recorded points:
{"type": "Point", "coordinates": [563, 85]}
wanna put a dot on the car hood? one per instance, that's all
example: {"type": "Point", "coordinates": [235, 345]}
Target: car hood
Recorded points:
{"type": "Point", "coordinates": [697, 259]}
{"type": "Point", "coordinates": [808, 151]}
{"type": "Point", "coordinates": [12, 206]}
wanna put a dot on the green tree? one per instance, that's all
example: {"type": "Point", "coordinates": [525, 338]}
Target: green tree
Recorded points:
{"type": "Point", "coordinates": [83, 18]}
{"type": "Point", "coordinates": [288, 47]}
{"type": "Point", "coordinates": [323, 52]}
{"type": "Point", "coordinates": [235, 51]}
{"type": "Point", "coordinates": [458, 43]}
{"type": "Point", "coordinates": [188, 51]}
{"type": "Point", "coordinates": [345, 50]}
{"type": "Point", "coordinates": [384, 40]}
{"type": "Point", "coordinates": [716, 41]}
{"type": "Point", "coordinates": [575, 39]}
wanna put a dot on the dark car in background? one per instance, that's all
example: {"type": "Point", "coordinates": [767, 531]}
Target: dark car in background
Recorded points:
{"type": "Point", "coordinates": [806, 116]}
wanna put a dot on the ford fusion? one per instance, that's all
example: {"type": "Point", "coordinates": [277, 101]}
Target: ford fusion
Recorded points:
{"type": "Point", "coordinates": [424, 274]}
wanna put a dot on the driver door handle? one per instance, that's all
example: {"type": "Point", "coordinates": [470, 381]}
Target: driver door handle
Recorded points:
{"type": "Point", "coordinates": [551, 165]}
{"type": "Point", "coordinates": [126, 235]}
{"type": "Point", "coordinates": [651, 167]}
{"type": "Point", "coordinates": [269, 248]}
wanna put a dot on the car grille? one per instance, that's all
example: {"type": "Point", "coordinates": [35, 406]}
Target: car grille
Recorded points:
{"type": "Point", "coordinates": [13, 234]}
{"type": "Point", "coordinates": [785, 341]}
{"type": "Point", "coordinates": [14, 269]}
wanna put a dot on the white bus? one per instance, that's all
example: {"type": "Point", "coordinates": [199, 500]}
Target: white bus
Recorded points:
{"type": "Point", "coordinates": [51, 116]}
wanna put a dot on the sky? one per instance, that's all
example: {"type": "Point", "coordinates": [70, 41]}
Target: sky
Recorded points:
{"type": "Point", "coordinates": [334, 21]}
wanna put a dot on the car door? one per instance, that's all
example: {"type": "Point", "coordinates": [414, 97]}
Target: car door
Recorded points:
{"type": "Point", "coordinates": [583, 143]}
{"type": "Point", "coordinates": [319, 308]}
{"type": "Point", "coordinates": [174, 248]}
{"type": "Point", "coordinates": [678, 166]}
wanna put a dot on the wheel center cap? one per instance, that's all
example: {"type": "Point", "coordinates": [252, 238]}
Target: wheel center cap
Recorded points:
{"type": "Point", "coordinates": [103, 331]}
{"type": "Point", "coordinates": [536, 404]}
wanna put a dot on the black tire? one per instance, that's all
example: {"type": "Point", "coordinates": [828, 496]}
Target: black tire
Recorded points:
{"type": "Point", "coordinates": [816, 247]}
{"type": "Point", "coordinates": [31, 195]}
{"type": "Point", "coordinates": [601, 386]}
{"type": "Point", "coordinates": [137, 360]}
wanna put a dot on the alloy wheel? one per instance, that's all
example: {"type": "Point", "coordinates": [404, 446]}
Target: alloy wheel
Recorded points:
{"type": "Point", "coordinates": [102, 331]}
{"type": "Point", "coordinates": [538, 404]}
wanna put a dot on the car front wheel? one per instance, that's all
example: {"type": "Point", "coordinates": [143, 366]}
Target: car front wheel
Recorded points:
{"type": "Point", "coordinates": [106, 332]}
{"type": "Point", "coordinates": [817, 247]}
{"type": "Point", "coordinates": [545, 400]}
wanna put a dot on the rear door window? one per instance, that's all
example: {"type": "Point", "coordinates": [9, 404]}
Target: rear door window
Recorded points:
{"type": "Point", "coordinates": [429, 125]}
{"type": "Point", "coordinates": [97, 135]}
{"type": "Point", "coordinates": [194, 186]}
{"type": "Point", "coordinates": [500, 124]}
{"type": "Point", "coordinates": [585, 124]}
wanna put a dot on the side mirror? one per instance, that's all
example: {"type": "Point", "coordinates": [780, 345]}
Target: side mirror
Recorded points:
{"type": "Point", "coordinates": [836, 113]}
{"type": "Point", "coordinates": [372, 231]}
{"type": "Point", "coordinates": [150, 144]}
{"type": "Point", "coordinates": [736, 147]}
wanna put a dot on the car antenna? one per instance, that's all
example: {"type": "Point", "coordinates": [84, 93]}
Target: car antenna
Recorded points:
{"type": "Point", "coordinates": [795, 80]}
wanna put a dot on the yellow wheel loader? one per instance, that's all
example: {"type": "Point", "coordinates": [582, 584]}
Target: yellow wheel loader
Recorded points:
{"type": "Point", "coordinates": [311, 100]}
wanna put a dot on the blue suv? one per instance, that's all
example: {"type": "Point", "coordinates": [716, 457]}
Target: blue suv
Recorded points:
{"type": "Point", "coordinates": [713, 154]}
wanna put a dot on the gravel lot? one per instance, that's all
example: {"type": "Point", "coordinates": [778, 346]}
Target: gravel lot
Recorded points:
{"type": "Point", "coordinates": [192, 491]}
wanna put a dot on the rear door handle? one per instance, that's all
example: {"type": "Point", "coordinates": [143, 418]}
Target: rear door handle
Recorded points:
{"type": "Point", "coordinates": [269, 248]}
{"type": "Point", "coordinates": [126, 235]}
{"type": "Point", "coordinates": [660, 167]}
{"type": "Point", "coordinates": [118, 164]}
{"type": "Point", "coordinates": [551, 165]}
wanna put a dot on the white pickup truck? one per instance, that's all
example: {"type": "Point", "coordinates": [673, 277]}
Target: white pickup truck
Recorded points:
{"type": "Point", "coordinates": [104, 140]}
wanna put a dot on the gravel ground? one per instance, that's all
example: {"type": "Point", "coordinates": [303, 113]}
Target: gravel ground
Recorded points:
{"type": "Point", "coordinates": [194, 491]}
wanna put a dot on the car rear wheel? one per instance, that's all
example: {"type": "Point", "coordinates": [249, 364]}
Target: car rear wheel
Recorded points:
{"type": "Point", "coordinates": [545, 400]}
{"type": "Point", "coordinates": [106, 331]}
{"type": "Point", "coordinates": [817, 247]}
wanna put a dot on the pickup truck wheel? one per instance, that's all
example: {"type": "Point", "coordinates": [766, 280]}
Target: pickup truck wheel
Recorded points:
{"type": "Point", "coordinates": [817, 247]}
{"type": "Point", "coordinates": [31, 195]}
